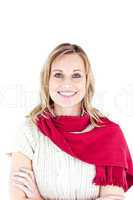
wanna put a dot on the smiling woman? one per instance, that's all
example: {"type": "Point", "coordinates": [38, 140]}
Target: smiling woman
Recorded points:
{"type": "Point", "coordinates": [73, 151]}
{"type": "Point", "coordinates": [69, 83]}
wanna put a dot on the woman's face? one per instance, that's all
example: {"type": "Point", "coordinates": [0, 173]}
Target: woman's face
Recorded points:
{"type": "Point", "coordinates": [67, 80]}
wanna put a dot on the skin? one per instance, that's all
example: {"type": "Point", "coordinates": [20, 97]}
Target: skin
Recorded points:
{"type": "Point", "coordinates": [67, 79]}
{"type": "Point", "coordinates": [24, 179]}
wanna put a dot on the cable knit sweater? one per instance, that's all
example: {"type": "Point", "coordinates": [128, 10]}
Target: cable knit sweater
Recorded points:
{"type": "Point", "coordinates": [59, 176]}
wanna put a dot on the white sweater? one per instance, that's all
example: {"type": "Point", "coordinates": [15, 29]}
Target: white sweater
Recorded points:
{"type": "Point", "coordinates": [58, 175]}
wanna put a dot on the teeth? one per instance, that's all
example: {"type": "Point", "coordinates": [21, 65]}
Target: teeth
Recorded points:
{"type": "Point", "coordinates": [67, 93]}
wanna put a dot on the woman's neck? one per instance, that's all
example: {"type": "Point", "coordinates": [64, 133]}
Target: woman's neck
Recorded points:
{"type": "Point", "coordinates": [68, 111]}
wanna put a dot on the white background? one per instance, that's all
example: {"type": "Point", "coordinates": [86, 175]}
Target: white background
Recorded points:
{"type": "Point", "coordinates": [30, 29]}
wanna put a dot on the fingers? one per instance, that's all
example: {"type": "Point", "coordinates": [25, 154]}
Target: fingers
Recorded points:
{"type": "Point", "coordinates": [23, 178]}
{"type": "Point", "coordinates": [25, 173]}
{"type": "Point", "coordinates": [30, 172]}
{"type": "Point", "coordinates": [27, 191]}
{"type": "Point", "coordinates": [21, 174]}
{"type": "Point", "coordinates": [22, 181]}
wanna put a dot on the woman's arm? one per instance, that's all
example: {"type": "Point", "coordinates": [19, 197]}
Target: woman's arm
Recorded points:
{"type": "Point", "coordinates": [19, 160]}
{"type": "Point", "coordinates": [33, 199]}
{"type": "Point", "coordinates": [111, 192]}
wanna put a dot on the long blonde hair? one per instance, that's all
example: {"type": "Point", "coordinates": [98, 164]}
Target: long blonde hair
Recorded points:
{"type": "Point", "coordinates": [46, 102]}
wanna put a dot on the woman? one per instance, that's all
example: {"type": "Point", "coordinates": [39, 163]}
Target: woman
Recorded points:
{"type": "Point", "coordinates": [68, 149]}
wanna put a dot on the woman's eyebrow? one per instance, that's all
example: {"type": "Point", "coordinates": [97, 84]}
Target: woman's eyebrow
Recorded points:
{"type": "Point", "coordinates": [62, 70]}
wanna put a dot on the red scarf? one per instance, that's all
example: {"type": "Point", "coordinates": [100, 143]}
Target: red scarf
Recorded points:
{"type": "Point", "coordinates": [105, 146]}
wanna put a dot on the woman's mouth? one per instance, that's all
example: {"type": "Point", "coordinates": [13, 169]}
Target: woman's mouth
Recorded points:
{"type": "Point", "coordinates": [67, 94]}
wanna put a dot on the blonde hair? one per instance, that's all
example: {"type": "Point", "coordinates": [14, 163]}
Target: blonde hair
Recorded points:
{"type": "Point", "coordinates": [46, 101]}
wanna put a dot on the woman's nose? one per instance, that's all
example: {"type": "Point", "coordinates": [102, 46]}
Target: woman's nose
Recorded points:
{"type": "Point", "coordinates": [67, 81]}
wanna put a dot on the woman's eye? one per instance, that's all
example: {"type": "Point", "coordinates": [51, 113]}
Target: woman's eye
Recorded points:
{"type": "Point", "coordinates": [77, 75]}
{"type": "Point", "coordinates": [74, 75]}
{"type": "Point", "coordinates": [57, 74]}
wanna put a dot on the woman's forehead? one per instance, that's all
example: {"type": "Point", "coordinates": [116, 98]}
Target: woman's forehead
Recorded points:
{"type": "Point", "coordinates": [70, 61]}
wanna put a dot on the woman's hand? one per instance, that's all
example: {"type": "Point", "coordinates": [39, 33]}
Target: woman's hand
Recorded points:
{"type": "Point", "coordinates": [25, 180]}
{"type": "Point", "coordinates": [113, 197]}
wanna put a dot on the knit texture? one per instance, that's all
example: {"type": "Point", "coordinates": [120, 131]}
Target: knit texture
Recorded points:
{"type": "Point", "coordinates": [59, 175]}
{"type": "Point", "coordinates": [106, 147]}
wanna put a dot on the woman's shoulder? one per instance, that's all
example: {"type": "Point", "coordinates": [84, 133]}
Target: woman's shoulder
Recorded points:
{"type": "Point", "coordinates": [25, 138]}
{"type": "Point", "coordinates": [28, 129]}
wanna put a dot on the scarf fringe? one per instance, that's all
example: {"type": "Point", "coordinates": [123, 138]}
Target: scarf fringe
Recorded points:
{"type": "Point", "coordinates": [103, 178]}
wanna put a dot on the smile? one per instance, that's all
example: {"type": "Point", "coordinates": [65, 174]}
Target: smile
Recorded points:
{"type": "Point", "coordinates": [67, 94]}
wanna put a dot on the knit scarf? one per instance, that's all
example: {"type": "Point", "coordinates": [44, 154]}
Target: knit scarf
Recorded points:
{"type": "Point", "coordinates": [104, 146]}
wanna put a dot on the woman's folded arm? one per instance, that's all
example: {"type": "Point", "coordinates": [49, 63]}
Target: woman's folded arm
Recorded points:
{"type": "Point", "coordinates": [111, 192]}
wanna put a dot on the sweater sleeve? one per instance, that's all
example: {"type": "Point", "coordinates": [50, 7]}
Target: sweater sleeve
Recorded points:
{"type": "Point", "coordinates": [25, 139]}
